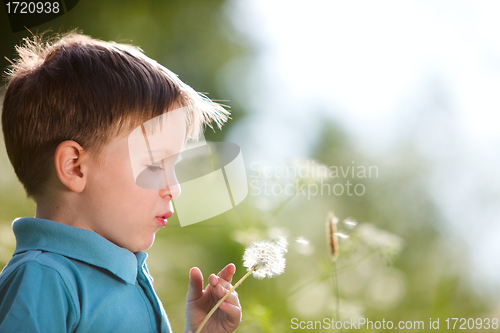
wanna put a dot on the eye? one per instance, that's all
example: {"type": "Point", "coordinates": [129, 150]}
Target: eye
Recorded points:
{"type": "Point", "coordinates": [154, 168]}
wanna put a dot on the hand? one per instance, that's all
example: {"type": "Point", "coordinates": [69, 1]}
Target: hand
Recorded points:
{"type": "Point", "coordinates": [199, 302]}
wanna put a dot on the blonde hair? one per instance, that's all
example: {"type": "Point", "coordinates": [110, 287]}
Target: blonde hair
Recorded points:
{"type": "Point", "coordinates": [74, 87]}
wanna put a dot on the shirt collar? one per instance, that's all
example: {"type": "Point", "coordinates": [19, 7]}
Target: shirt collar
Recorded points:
{"type": "Point", "coordinates": [80, 244]}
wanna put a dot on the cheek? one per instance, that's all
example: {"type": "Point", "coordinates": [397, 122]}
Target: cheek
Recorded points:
{"type": "Point", "coordinates": [117, 193]}
{"type": "Point", "coordinates": [142, 199]}
{"type": "Point", "coordinates": [119, 176]}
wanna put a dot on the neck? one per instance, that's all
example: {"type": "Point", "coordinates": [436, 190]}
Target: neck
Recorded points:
{"type": "Point", "coordinates": [60, 208]}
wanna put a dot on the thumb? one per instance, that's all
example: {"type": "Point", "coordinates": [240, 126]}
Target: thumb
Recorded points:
{"type": "Point", "coordinates": [195, 289]}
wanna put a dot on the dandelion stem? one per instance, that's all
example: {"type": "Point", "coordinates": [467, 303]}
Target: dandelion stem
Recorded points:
{"type": "Point", "coordinates": [222, 299]}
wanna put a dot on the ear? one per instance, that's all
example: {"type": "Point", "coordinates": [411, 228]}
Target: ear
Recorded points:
{"type": "Point", "coordinates": [71, 165]}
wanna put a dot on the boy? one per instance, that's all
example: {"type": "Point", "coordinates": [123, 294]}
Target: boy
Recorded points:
{"type": "Point", "coordinates": [68, 111]}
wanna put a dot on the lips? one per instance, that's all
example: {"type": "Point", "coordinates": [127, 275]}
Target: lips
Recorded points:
{"type": "Point", "coordinates": [166, 215]}
{"type": "Point", "coordinates": [163, 217]}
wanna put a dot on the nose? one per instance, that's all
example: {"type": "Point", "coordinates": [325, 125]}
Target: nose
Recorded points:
{"type": "Point", "coordinates": [173, 191]}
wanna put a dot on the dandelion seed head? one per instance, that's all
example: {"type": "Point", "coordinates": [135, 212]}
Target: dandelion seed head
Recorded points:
{"type": "Point", "coordinates": [267, 257]}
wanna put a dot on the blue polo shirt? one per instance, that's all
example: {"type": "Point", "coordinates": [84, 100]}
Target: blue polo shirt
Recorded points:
{"type": "Point", "coordinates": [67, 279]}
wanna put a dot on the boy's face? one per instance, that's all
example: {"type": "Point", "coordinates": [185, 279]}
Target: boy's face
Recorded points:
{"type": "Point", "coordinates": [117, 208]}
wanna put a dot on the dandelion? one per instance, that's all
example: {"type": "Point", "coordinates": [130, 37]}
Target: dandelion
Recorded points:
{"type": "Point", "coordinates": [263, 259]}
{"type": "Point", "coordinates": [266, 258]}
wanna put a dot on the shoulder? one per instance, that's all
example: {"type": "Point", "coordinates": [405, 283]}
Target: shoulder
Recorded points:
{"type": "Point", "coordinates": [36, 265]}
{"type": "Point", "coordinates": [40, 262]}
{"type": "Point", "coordinates": [42, 283]}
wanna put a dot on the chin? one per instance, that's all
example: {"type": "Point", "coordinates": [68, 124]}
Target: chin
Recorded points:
{"type": "Point", "coordinates": [146, 245]}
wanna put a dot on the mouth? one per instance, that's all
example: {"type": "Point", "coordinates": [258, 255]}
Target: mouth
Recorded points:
{"type": "Point", "coordinates": [163, 217]}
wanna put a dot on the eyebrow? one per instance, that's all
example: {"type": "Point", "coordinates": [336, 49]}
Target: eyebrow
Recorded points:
{"type": "Point", "coordinates": [146, 154]}
{"type": "Point", "coordinates": [156, 151]}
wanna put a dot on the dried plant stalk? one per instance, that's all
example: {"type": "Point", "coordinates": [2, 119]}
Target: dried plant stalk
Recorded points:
{"type": "Point", "coordinates": [332, 240]}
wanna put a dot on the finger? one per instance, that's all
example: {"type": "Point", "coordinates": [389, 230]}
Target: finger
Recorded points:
{"type": "Point", "coordinates": [195, 289]}
{"type": "Point", "coordinates": [231, 298]}
{"type": "Point", "coordinates": [227, 272]}
{"type": "Point", "coordinates": [233, 311]}
{"type": "Point", "coordinates": [213, 280]}
{"type": "Point", "coordinates": [224, 284]}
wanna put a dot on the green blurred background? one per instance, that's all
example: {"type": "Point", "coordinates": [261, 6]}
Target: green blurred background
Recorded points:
{"type": "Point", "coordinates": [403, 261]}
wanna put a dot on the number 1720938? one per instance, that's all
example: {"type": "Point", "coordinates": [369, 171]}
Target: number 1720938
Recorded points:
{"type": "Point", "coordinates": [33, 7]}
{"type": "Point", "coordinates": [471, 323]}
